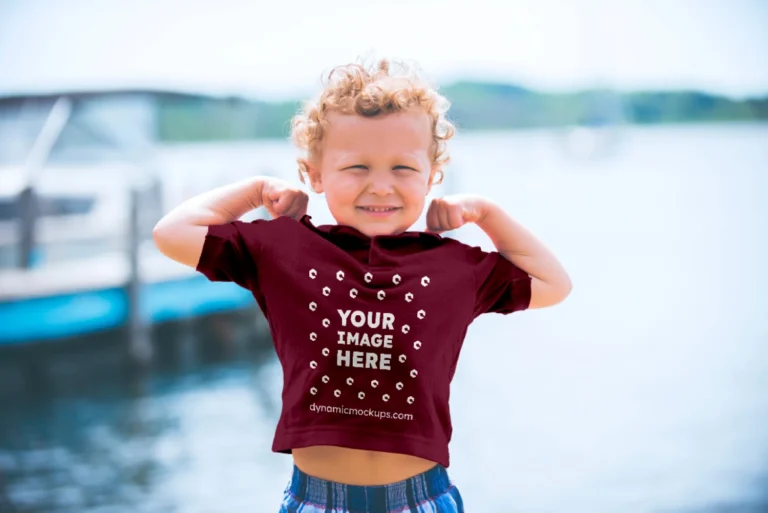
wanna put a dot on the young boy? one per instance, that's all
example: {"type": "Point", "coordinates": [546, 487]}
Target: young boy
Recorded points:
{"type": "Point", "coordinates": [367, 317]}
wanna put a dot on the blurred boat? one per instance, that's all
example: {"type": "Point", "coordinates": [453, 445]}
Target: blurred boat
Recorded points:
{"type": "Point", "coordinates": [73, 259]}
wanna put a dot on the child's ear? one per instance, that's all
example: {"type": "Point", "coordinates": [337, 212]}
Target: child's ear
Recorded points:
{"type": "Point", "coordinates": [315, 179]}
{"type": "Point", "coordinates": [435, 178]}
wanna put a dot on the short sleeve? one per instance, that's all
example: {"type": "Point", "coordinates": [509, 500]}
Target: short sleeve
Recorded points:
{"type": "Point", "coordinates": [501, 286]}
{"type": "Point", "coordinates": [230, 252]}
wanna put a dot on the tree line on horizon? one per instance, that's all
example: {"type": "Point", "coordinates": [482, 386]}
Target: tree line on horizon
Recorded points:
{"type": "Point", "coordinates": [474, 106]}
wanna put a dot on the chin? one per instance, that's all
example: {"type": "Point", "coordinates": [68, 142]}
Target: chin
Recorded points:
{"type": "Point", "coordinates": [373, 227]}
{"type": "Point", "coordinates": [374, 230]}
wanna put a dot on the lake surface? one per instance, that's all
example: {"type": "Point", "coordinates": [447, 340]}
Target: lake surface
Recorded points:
{"type": "Point", "coordinates": [645, 391]}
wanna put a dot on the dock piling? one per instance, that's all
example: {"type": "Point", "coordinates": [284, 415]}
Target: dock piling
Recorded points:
{"type": "Point", "coordinates": [139, 342]}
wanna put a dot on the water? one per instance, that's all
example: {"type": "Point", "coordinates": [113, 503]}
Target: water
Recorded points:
{"type": "Point", "coordinates": [646, 391]}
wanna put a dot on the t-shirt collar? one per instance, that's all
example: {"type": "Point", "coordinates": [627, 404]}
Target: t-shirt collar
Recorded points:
{"type": "Point", "coordinates": [344, 231]}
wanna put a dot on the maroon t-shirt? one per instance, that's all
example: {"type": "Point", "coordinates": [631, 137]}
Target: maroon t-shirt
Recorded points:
{"type": "Point", "coordinates": [368, 330]}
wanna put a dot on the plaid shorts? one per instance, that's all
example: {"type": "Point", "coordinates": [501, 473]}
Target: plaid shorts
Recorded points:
{"type": "Point", "coordinates": [431, 491]}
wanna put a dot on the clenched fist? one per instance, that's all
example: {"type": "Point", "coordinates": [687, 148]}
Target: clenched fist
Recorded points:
{"type": "Point", "coordinates": [280, 198]}
{"type": "Point", "coordinates": [452, 212]}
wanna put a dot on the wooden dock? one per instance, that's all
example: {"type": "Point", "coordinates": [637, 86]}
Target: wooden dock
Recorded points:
{"type": "Point", "coordinates": [76, 252]}
{"type": "Point", "coordinates": [67, 299]}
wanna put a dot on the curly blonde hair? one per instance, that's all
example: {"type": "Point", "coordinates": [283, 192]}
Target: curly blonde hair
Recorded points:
{"type": "Point", "coordinates": [372, 91]}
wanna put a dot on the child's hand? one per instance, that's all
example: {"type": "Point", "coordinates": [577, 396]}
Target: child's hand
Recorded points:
{"type": "Point", "coordinates": [280, 198]}
{"type": "Point", "coordinates": [452, 212]}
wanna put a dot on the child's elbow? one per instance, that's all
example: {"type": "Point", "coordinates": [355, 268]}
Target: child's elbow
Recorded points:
{"type": "Point", "coordinates": [181, 242]}
{"type": "Point", "coordinates": [563, 289]}
{"type": "Point", "coordinates": [163, 237]}
{"type": "Point", "coordinates": [158, 236]}
{"type": "Point", "coordinates": [549, 293]}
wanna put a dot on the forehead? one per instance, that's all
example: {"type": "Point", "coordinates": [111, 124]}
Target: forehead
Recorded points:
{"type": "Point", "coordinates": [408, 132]}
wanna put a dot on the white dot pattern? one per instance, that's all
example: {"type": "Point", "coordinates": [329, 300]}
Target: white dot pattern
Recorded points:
{"type": "Point", "coordinates": [405, 328]}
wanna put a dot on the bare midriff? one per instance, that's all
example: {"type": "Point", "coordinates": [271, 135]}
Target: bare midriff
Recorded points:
{"type": "Point", "coordinates": [358, 467]}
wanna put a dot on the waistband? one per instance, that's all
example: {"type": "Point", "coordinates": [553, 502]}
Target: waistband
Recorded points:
{"type": "Point", "coordinates": [408, 493]}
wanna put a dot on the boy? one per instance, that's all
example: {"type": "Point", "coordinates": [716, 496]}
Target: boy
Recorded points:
{"type": "Point", "coordinates": [358, 310]}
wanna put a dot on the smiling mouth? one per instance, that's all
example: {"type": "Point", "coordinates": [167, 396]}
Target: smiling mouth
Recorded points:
{"type": "Point", "coordinates": [378, 210]}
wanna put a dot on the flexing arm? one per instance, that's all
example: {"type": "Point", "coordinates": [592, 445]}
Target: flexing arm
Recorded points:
{"type": "Point", "coordinates": [550, 283]}
{"type": "Point", "coordinates": [180, 234]}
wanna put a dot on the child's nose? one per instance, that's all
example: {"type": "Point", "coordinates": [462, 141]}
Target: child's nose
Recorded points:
{"type": "Point", "coordinates": [380, 184]}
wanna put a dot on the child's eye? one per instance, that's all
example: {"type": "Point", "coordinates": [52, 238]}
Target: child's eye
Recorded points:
{"type": "Point", "coordinates": [362, 167]}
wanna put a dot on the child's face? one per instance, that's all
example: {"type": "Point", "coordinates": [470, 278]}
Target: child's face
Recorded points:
{"type": "Point", "coordinates": [375, 171]}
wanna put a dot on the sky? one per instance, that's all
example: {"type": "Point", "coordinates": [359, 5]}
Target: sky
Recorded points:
{"type": "Point", "coordinates": [279, 49]}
